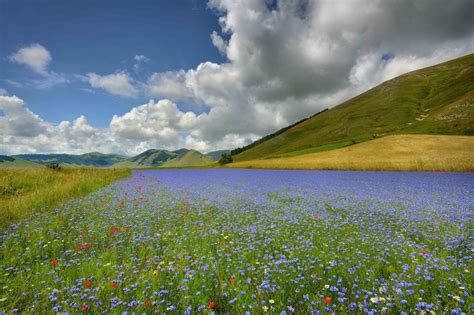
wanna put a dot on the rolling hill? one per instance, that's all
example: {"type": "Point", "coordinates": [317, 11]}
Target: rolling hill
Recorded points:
{"type": "Point", "coordinates": [433, 100]}
{"type": "Point", "coordinates": [88, 159]}
{"type": "Point", "coordinates": [14, 162]}
{"type": "Point", "coordinates": [163, 158]}
{"type": "Point", "coordinates": [390, 153]}
{"type": "Point", "coordinates": [191, 158]}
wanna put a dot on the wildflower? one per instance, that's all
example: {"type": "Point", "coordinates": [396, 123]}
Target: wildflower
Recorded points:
{"type": "Point", "coordinates": [79, 247]}
{"type": "Point", "coordinates": [127, 229]}
{"type": "Point", "coordinates": [316, 217]}
{"type": "Point", "coordinates": [85, 308]}
{"type": "Point", "coordinates": [148, 303]}
{"type": "Point", "coordinates": [87, 283]}
{"type": "Point", "coordinates": [212, 304]}
{"type": "Point", "coordinates": [87, 246]}
{"type": "Point", "coordinates": [122, 203]}
{"type": "Point", "coordinates": [114, 284]}
{"type": "Point", "coordinates": [54, 262]}
{"type": "Point", "coordinates": [265, 308]}
{"type": "Point", "coordinates": [271, 301]}
{"type": "Point", "coordinates": [232, 280]}
{"type": "Point", "coordinates": [424, 252]}
{"type": "Point", "coordinates": [327, 300]}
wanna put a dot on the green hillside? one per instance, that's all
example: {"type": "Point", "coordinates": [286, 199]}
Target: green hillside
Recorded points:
{"type": "Point", "coordinates": [189, 159]}
{"type": "Point", "coordinates": [14, 162]}
{"type": "Point", "coordinates": [150, 158]}
{"type": "Point", "coordinates": [72, 160]}
{"type": "Point", "coordinates": [433, 100]}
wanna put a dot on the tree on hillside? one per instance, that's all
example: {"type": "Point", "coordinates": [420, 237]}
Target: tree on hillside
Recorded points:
{"type": "Point", "coordinates": [225, 159]}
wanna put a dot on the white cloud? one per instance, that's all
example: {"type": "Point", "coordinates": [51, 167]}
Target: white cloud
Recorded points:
{"type": "Point", "coordinates": [168, 85]}
{"type": "Point", "coordinates": [18, 120]}
{"type": "Point", "coordinates": [219, 43]}
{"type": "Point", "coordinates": [282, 65]}
{"type": "Point", "coordinates": [34, 56]}
{"type": "Point", "coordinates": [119, 83]}
{"type": "Point", "coordinates": [37, 58]}
{"type": "Point", "coordinates": [3, 92]}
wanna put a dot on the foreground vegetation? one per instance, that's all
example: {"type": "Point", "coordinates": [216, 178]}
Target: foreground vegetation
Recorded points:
{"type": "Point", "coordinates": [249, 241]}
{"type": "Point", "coordinates": [433, 100]}
{"type": "Point", "coordinates": [391, 153]}
{"type": "Point", "coordinates": [30, 190]}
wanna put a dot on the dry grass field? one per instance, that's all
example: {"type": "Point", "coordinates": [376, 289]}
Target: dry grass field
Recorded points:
{"type": "Point", "coordinates": [30, 190]}
{"type": "Point", "coordinates": [391, 153]}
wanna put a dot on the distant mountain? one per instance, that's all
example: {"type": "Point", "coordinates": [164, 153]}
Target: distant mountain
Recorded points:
{"type": "Point", "coordinates": [189, 159]}
{"type": "Point", "coordinates": [150, 158]}
{"type": "Point", "coordinates": [155, 158]}
{"type": "Point", "coordinates": [216, 155]}
{"type": "Point", "coordinates": [433, 100]}
{"type": "Point", "coordinates": [87, 159]}
{"type": "Point", "coordinates": [14, 162]}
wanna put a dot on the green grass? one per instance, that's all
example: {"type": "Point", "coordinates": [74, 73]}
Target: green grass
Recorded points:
{"type": "Point", "coordinates": [30, 190]}
{"type": "Point", "coordinates": [434, 100]}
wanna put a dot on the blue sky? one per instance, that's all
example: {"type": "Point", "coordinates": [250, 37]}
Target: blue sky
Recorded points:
{"type": "Point", "coordinates": [126, 76]}
{"type": "Point", "coordinates": [101, 37]}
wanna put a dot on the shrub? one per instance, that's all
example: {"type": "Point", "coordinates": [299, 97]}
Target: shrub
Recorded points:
{"type": "Point", "coordinates": [225, 159]}
{"type": "Point", "coordinates": [53, 165]}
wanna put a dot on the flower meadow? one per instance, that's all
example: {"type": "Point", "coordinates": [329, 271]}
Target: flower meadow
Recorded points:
{"type": "Point", "coordinates": [249, 242]}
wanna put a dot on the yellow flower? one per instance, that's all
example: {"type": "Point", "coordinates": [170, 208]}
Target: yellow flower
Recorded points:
{"type": "Point", "coordinates": [265, 308]}
{"type": "Point", "coordinates": [271, 301]}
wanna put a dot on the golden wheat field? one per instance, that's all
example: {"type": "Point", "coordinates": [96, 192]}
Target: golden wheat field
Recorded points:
{"type": "Point", "coordinates": [392, 153]}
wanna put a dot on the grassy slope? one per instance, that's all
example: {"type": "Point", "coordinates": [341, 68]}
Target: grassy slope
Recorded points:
{"type": "Point", "coordinates": [29, 190]}
{"type": "Point", "coordinates": [189, 159]}
{"type": "Point", "coordinates": [396, 152]}
{"type": "Point", "coordinates": [18, 163]}
{"type": "Point", "coordinates": [434, 100]}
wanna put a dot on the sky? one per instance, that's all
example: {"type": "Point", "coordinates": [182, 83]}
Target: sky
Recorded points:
{"type": "Point", "coordinates": [122, 77]}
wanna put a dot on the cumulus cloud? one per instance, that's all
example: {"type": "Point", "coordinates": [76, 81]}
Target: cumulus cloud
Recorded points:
{"type": "Point", "coordinates": [291, 60]}
{"type": "Point", "coordinates": [283, 62]}
{"type": "Point", "coordinates": [170, 85]}
{"type": "Point", "coordinates": [34, 56]}
{"type": "Point", "coordinates": [119, 83]}
{"type": "Point", "coordinates": [37, 58]}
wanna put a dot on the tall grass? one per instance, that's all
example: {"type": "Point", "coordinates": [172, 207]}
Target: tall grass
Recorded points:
{"type": "Point", "coordinates": [30, 190]}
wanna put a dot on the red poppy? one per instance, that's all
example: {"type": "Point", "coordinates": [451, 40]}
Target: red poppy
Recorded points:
{"type": "Point", "coordinates": [79, 247]}
{"type": "Point", "coordinates": [85, 308]}
{"type": "Point", "coordinates": [148, 257]}
{"type": "Point", "coordinates": [327, 300]}
{"type": "Point", "coordinates": [87, 283]}
{"type": "Point", "coordinates": [212, 304]}
{"type": "Point", "coordinates": [122, 203]}
{"type": "Point", "coordinates": [114, 230]}
{"type": "Point", "coordinates": [148, 303]}
{"type": "Point", "coordinates": [87, 246]}
{"type": "Point", "coordinates": [232, 280]}
{"type": "Point", "coordinates": [127, 229]}
{"type": "Point", "coordinates": [114, 284]}
{"type": "Point", "coordinates": [54, 262]}
{"type": "Point", "coordinates": [424, 252]}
